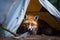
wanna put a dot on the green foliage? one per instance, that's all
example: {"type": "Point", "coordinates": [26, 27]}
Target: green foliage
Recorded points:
{"type": "Point", "coordinates": [54, 2]}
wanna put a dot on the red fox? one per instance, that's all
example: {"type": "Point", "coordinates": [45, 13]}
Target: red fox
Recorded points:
{"type": "Point", "coordinates": [34, 25]}
{"type": "Point", "coordinates": [30, 23]}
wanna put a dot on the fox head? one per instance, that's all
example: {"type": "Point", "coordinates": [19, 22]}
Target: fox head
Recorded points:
{"type": "Point", "coordinates": [34, 25]}
{"type": "Point", "coordinates": [31, 23]}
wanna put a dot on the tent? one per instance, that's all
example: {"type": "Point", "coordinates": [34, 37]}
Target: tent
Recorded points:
{"type": "Point", "coordinates": [12, 13]}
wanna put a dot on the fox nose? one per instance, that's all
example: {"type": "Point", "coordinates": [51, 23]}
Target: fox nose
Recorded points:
{"type": "Point", "coordinates": [31, 31]}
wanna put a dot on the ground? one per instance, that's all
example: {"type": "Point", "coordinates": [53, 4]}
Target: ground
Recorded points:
{"type": "Point", "coordinates": [33, 37]}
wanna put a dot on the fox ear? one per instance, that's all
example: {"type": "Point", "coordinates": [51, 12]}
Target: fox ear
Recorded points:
{"type": "Point", "coordinates": [25, 17]}
{"type": "Point", "coordinates": [36, 18]}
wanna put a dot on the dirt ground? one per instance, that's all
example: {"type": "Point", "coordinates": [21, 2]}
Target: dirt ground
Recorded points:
{"type": "Point", "coordinates": [33, 37]}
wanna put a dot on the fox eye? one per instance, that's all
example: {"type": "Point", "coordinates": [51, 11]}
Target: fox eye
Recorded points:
{"type": "Point", "coordinates": [26, 24]}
